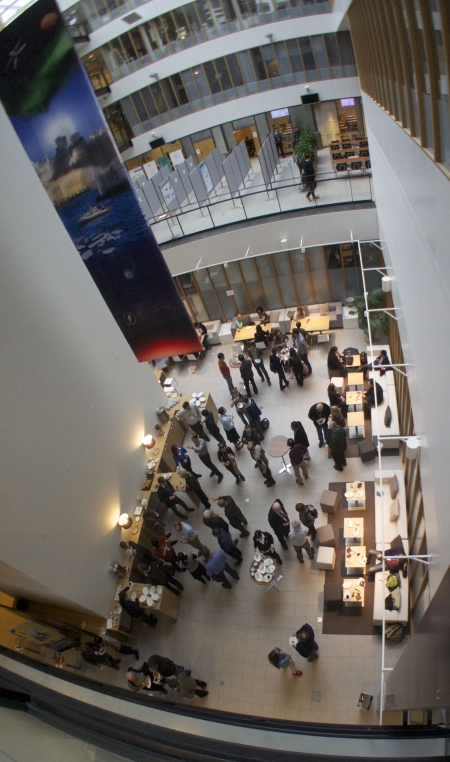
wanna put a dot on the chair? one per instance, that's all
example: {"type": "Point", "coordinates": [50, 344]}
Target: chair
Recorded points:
{"type": "Point", "coordinates": [323, 338]}
{"type": "Point", "coordinates": [338, 381]}
{"type": "Point", "coordinates": [325, 534]}
{"type": "Point", "coordinates": [329, 501]}
{"type": "Point", "coordinates": [332, 593]}
{"type": "Point", "coordinates": [326, 558]}
{"type": "Point", "coordinates": [367, 450]}
{"type": "Point", "coordinates": [178, 358]}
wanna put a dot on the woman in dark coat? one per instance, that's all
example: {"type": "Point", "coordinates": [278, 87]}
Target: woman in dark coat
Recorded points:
{"type": "Point", "coordinates": [335, 363]}
{"type": "Point", "coordinates": [276, 366]}
{"type": "Point", "coordinates": [296, 365]}
{"type": "Point", "coordinates": [300, 436]}
{"type": "Point", "coordinates": [337, 399]}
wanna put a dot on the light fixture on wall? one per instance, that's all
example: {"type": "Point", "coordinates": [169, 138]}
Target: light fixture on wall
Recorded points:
{"type": "Point", "coordinates": [154, 76]}
{"type": "Point", "coordinates": [125, 521]}
{"type": "Point", "coordinates": [148, 442]}
{"type": "Point", "coordinates": [283, 240]}
{"type": "Point", "coordinates": [412, 448]}
{"type": "Point", "coordinates": [270, 37]}
{"type": "Point", "coordinates": [386, 283]}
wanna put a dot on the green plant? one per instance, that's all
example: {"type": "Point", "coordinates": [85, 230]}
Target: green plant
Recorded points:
{"type": "Point", "coordinates": [306, 145]}
{"type": "Point", "coordinates": [379, 321]}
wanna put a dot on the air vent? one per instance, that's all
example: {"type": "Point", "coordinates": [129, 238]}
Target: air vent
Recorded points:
{"type": "Point", "coordinates": [132, 18]}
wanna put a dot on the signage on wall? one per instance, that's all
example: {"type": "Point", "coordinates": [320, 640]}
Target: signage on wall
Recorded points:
{"type": "Point", "coordinates": [48, 98]}
{"type": "Point", "coordinates": [347, 101]}
{"type": "Point", "coordinates": [279, 112]}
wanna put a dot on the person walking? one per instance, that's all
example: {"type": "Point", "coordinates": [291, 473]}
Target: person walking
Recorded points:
{"type": "Point", "coordinates": [133, 607]}
{"type": "Point", "coordinates": [263, 541]}
{"type": "Point", "coordinates": [297, 457]}
{"type": "Point", "coordinates": [256, 355]}
{"type": "Point", "coordinates": [306, 646]}
{"type": "Point", "coordinates": [308, 515]}
{"type": "Point", "coordinates": [212, 426]}
{"type": "Point", "coordinates": [231, 434]}
{"type": "Point", "coordinates": [299, 540]}
{"type": "Point", "coordinates": [188, 686]}
{"type": "Point", "coordinates": [192, 565]}
{"type": "Point", "coordinates": [217, 565]}
{"type": "Point", "coordinates": [158, 574]}
{"type": "Point", "coordinates": [297, 365]}
{"type": "Point", "coordinates": [280, 660]}
{"type": "Point", "coordinates": [225, 371]}
{"type": "Point", "coordinates": [214, 520]}
{"type": "Point", "coordinates": [189, 536]}
{"type": "Point", "coordinates": [318, 414]}
{"type": "Point", "coordinates": [182, 459]}
{"type": "Point", "coordinates": [226, 456]}
{"type": "Point", "coordinates": [279, 522]}
{"type": "Point", "coordinates": [226, 544]}
{"type": "Point", "coordinates": [167, 496]}
{"type": "Point", "coordinates": [193, 485]}
{"type": "Point", "coordinates": [190, 415]}
{"type": "Point", "coordinates": [201, 448]}
{"type": "Point", "coordinates": [246, 371]}
{"type": "Point", "coordinates": [238, 403]}
{"type": "Point", "coordinates": [300, 436]}
{"type": "Point", "coordinates": [233, 513]}
{"type": "Point", "coordinates": [276, 366]}
{"type": "Point", "coordinates": [259, 456]}
{"type": "Point", "coordinates": [337, 442]}
{"type": "Point", "coordinates": [309, 178]}
{"type": "Point", "coordinates": [302, 347]}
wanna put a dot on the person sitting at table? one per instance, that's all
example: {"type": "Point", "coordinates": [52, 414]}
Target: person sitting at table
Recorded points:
{"type": "Point", "coordinates": [390, 564]}
{"type": "Point", "coordinates": [299, 314]}
{"type": "Point", "coordinates": [261, 336]}
{"type": "Point", "coordinates": [336, 364]}
{"type": "Point", "coordinates": [296, 365]}
{"type": "Point", "coordinates": [279, 340]}
{"type": "Point", "coordinates": [337, 400]}
{"type": "Point", "coordinates": [378, 363]}
{"type": "Point", "coordinates": [262, 316]}
{"type": "Point", "coordinates": [182, 459]}
{"type": "Point", "coordinates": [240, 322]}
{"type": "Point", "coordinates": [336, 416]}
{"type": "Point", "coordinates": [263, 541]}
{"type": "Point", "coordinates": [368, 397]}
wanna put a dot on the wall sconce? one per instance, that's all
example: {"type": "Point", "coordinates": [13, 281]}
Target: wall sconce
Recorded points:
{"type": "Point", "coordinates": [412, 448]}
{"type": "Point", "coordinates": [148, 442]}
{"type": "Point", "coordinates": [283, 240]}
{"type": "Point", "coordinates": [386, 283]}
{"type": "Point", "coordinates": [125, 521]}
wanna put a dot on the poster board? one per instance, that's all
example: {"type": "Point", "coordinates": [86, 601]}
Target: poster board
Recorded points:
{"type": "Point", "coordinates": [153, 199]}
{"type": "Point", "coordinates": [230, 176]}
{"type": "Point", "coordinates": [136, 173]}
{"type": "Point", "coordinates": [183, 171]}
{"type": "Point", "coordinates": [198, 185]}
{"type": "Point", "coordinates": [178, 187]}
{"type": "Point", "coordinates": [150, 168]}
{"type": "Point", "coordinates": [235, 167]}
{"type": "Point", "coordinates": [168, 193]}
{"type": "Point", "coordinates": [211, 164]}
{"type": "Point", "coordinates": [206, 177]}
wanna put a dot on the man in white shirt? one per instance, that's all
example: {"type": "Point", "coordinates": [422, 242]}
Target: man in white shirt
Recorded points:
{"type": "Point", "coordinates": [190, 536]}
{"type": "Point", "coordinates": [190, 415]}
{"type": "Point", "coordinates": [299, 540]}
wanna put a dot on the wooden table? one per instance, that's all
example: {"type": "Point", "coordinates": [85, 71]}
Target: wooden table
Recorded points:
{"type": "Point", "coordinates": [354, 594]}
{"type": "Point", "coordinates": [274, 574]}
{"type": "Point", "coordinates": [353, 559]}
{"type": "Point", "coordinates": [168, 604]}
{"type": "Point", "coordinates": [349, 537]}
{"type": "Point", "coordinates": [248, 332]}
{"type": "Point", "coordinates": [356, 504]}
{"type": "Point", "coordinates": [277, 447]}
{"type": "Point", "coordinates": [354, 398]}
{"type": "Point", "coordinates": [355, 379]}
{"type": "Point", "coordinates": [313, 323]}
{"type": "Point", "coordinates": [355, 419]}
{"type": "Point", "coordinates": [356, 361]}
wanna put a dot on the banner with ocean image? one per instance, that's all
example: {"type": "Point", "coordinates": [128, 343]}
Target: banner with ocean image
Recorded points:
{"type": "Point", "coordinates": [52, 107]}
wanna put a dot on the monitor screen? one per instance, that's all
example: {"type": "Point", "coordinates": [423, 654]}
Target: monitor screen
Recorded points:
{"type": "Point", "coordinates": [279, 112]}
{"type": "Point", "coordinates": [347, 101]}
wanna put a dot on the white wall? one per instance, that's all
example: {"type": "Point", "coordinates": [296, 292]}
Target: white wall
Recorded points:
{"type": "Point", "coordinates": [74, 405]}
{"type": "Point", "coordinates": [413, 202]}
{"type": "Point", "coordinates": [282, 97]}
{"type": "Point", "coordinates": [312, 230]}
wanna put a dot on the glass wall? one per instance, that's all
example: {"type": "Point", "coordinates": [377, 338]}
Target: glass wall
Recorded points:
{"type": "Point", "coordinates": [250, 71]}
{"type": "Point", "coordinates": [283, 279]}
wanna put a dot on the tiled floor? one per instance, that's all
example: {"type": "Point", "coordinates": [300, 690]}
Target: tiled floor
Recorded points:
{"type": "Point", "coordinates": [255, 201]}
{"type": "Point", "coordinates": [224, 636]}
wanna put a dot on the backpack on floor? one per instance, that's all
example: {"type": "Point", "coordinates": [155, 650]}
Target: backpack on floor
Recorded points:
{"type": "Point", "coordinates": [265, 423]}
{"type": "Point", "coordinates": [394, 633]}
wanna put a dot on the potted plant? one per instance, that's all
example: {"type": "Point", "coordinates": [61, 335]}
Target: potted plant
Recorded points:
{"type": "Point", "coordinates": [306, 145]}
{"type": "Point", "coordinates": [379, 321]}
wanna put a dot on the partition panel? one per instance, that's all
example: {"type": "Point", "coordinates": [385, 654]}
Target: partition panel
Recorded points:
{"type": "Point", "coordinates": [212, 169]}
{"type": "Point", "coordinates": [219, 164]}
{"type": "Point", "coordinates": [198, 185]}
{"type": "Point", "coordinates": [185, 179]}
{"type": "Point", "coordinates": [178, 187]}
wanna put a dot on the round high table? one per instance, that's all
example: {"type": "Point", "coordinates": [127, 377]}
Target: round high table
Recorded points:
{"type": "Point", "coordinates": [277, 447]}
{"type": "Point", "coordinates": [275, 575]}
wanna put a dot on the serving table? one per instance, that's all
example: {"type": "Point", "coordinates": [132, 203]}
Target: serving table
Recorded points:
{"type": "Point", "coordinates": [313, 323]}
{"type": "Point", "coordinates": [355, 555]}
{"type": "Point", "coordinates": [168, 604]}
{"type": "Point", "coordinates": [354, 398]}
{"type": "Point", "coordinates": [353, 594]}
{"type": "Point", "coordinates": [353, 531]}
{"type": "Point", "coordinates": [247, 333]}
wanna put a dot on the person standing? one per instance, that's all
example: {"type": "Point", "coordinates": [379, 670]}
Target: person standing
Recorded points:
{"type": "Point", "coordinates": [308, 515]}
{"type": "Point", "coordinates": [164, 667]}
{"type": "Point", "coordinates": [201, 448]}
{"type": "Point", "coordinates": [225, 371]}
{"type": "Point", "coordinates": [263, 541]}
{"type": "Point", "coordinates": [279, 142]}
{"type": "Point", "coordinates": [297, 457]}
{"type": "Point", "coordinates": [166, 495]}
{"type": "Point", "coordinates": [217, 565]}
{"type": "Point", "coordinates": [182, 459]}
{"type": "Point", "coordinates": [134, 550]}
{"type": "Point", "coordinates": [318, 414]}
{"type": "Point", "coordinates": [299, 540]}
{"type": "Point", "coordinates": [226, 543]}
{"type": "Point", "coordinates": [253, 413]}
{"type": "Point", "coordinates": [133, 607]}
{"type": "Point", "coordinates": [158, 574]}
{"type": "Point", "coordinates": [188, 686]}
{"type": "Point", "coordinates": [190, 415]}
{"type": "Point", "coordinates": [300, 436]}
{"type": "Point", "coordinates": [261, 336]}
{"type": "Point", "coordinates": [259, 456]}
{"type": "Point", "coordinates": [279, 522]}
{"type": "Point", "coordinates": [211, 425]}
{"type": "Point", "coordinates": [226, 456]}
{"type": "Point", "coordinates": [238, 403]}
{"type": "Point", "coordinates": [306, 646]}
{"type": "Point", "coordinates": [276, 366]}
{"type": "Point", "coordinates": [192, 565]}
{"type": "Point", "coordinates": [162, 548]}
{"type": "Point", "coordinates": [251, 435]}
{"type": "Point", "coordinates": [189, 536]}
{"type": "Point", "coordinates": [141, 680]}
{"type": "Point", "coordinates": [302, 348]}
{"type": "Point", "coordinates": [256, 355]}
{"type": "Point", "coordinates": [246, 371]}
{"type": "Point", "coordinates": [214, 520]}
{"type": "Point", "coordinates": [233, 513]}
{"type": "Point", "coordinates": [309, 178]}
{"type": "Point", "coordinates": [279, 340]}
{"type": "Point", "coordinates": [296, 365]}
{"type": "Point", "coordinates": [337, 442]}
{"type": "Point", "coordinates": [281, 660]}
{"type": "Point", "coordinates": [193, 485]}
{"type": "Point", "coordinates": [231, 434]}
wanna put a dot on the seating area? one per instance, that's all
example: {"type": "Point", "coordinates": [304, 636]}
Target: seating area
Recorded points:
{"type": "Point", "coordinates": [388, 423]}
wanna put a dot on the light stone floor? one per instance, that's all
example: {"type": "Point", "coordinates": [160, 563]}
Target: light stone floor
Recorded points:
{"type": "Point", "coordinates": [255, 201]}
{"type": "Point", "coordinates": [224, 636]}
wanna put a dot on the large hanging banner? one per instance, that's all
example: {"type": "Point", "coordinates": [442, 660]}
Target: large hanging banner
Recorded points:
{"type": "Point", "coordinates": [52, 107]}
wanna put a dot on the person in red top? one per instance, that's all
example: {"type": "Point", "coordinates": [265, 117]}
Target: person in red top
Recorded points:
{"type": "Point", "coordinates": [162, 548]}
{"type": "Point", "coordinates": [225, 371]}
